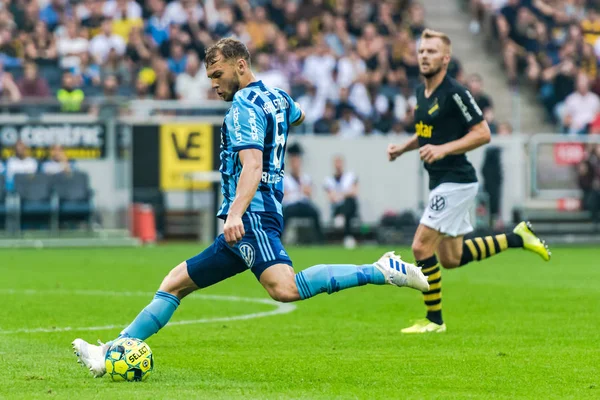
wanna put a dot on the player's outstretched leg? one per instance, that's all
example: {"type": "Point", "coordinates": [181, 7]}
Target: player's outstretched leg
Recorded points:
{"type": "Point", "coordinates": [283, 285]}
{"type": "Point", "coordinates": [522, 236]}
{"type": "Point", "coordinates": [149, 321]}
{"type": "Point", "coordinates": [213, 265]}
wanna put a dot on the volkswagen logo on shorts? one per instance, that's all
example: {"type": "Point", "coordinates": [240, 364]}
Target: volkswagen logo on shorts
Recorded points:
{"type": "Point", "coordinates": [437, 203]}
{"type": "Point", "coordinates": [247, 252]}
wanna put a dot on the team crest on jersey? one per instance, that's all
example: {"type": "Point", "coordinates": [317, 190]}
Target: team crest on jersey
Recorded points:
{"type": "Point", "coordinates": [437, 203]}
{"type": "Point", "coordinates": [248, 254]}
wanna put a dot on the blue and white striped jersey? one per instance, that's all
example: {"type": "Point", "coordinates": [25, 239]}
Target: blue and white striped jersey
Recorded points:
{"type": "Point", "coordinates": [259, 118]}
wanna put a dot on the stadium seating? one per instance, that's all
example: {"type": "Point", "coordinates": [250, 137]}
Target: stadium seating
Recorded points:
{"type": "Point", "coordinates": [36, 201]}
{"type": "Point", "coordinates": [74, 197]}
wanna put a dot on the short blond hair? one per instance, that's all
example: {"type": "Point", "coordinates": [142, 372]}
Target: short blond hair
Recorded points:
{"type": "Point", "coordinates": [430, 34]}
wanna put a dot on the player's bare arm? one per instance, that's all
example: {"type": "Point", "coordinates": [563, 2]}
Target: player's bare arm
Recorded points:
{"type": "Point", "coordinates": [478, 136]}
{"type": "Point", "coordinates": [396, 150]}
{"type": "Point", "coordinates": [251, 160]}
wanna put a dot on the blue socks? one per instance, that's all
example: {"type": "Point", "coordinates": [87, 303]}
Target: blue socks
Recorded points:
{"type": "Point", "coordinates": [153, 317]}
{"type": "Point", "coordinates": [333, 278]}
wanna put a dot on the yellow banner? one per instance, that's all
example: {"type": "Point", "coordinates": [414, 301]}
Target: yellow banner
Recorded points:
{"type": "Point", "coordinates": [184, 149]}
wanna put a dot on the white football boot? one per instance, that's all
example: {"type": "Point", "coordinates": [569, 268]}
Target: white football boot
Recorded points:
{"type": "Point", "coordinates": [401, 273]}
{"type": "Point", "coordinates": [91, 356]}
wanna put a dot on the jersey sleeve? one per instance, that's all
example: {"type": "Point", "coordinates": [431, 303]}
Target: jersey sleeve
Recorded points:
{"type": "Point", "coordinates": [295, 110]}
{"type": "Point", "coordinates": [467, 107]}
{"type": "Point", "coordinates": [249, 125]}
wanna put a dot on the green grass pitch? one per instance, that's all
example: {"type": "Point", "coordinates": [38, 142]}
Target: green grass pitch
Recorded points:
{"type": "Point", "coordinates": [517, 328]}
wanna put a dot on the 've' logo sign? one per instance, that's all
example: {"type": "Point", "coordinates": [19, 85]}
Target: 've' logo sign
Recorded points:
{"type": "Point", "coordinates": [186, 151]}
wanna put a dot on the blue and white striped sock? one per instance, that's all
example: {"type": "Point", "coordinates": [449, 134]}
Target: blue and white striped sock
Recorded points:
{"type": "Point", "coordinates": [333, 278]}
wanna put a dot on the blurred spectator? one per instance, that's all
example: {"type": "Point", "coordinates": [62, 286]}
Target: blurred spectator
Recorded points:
{"type": "Point", "coordinates": [193, 84]}
{"type": "Point", "coordinates": [516, 25]}
{"type": "Point", "coordinates": [313, 105]}
{"type": "Point", "coordinates": [493, 177]}
{"type": "Point", "coordinates": [116, 65]}
{"type": "Point", "coordinates": [57, 162]}
{"type": "Point", "coordinates": [71, 45]}
{"type": "Point", "coordinates": [319, 66]}
{"type": "Point", "coordinates": [158, 24]}
{"type": "Point", "coordinates": [559, 83]}
{"type": "Point", "coordinates": [350, 125]}
{"type": "Point", "coordinates": [327, 124]}
{"type": "Point", "coordinates": [366, 100]}
{"type": "Point", "coordinates": [504, 129]}
{"type": "Point", "coordinates": [270, 77]}
{"type": "Point", "coordinates": [259, 28]}
{"type": "Point", "coordinates": [301, 39]}
{"type": "Point", "coordinates": [397, 129]}
{"type": "Point", "coordinates": [350, 68]}
{"type": "Point", "coordinates": [590, 25]}
{"type": "Point", "coordinates": [8, 88]}
{"type": "Point", "coordinates": [20, 163]}
{"type": "Point", "coordinates": [122, 9]}
{"type": "Point", "coordinates": [110, 86]}
{"type": "Point", "coordinates": [31, 85]}
{"type": "Point", "coordinates": [417, 19]}
{"type": "Point", "coordinates": [102, 43]}
{"type": "Point", "coordinates": [91, 14]}
{"type": "Point", "coordinates": [297, 201]}
{"type": "Point", "coordinates": [581, 107]}
{"type": "Point", "coordinates": [31, 15]}
{"type": "Point", "coordinates": [54, 12]}
{"type": "Point", "coordinates": [384, 123]}
{"type": "Point", "coordinates": [87, 73]}
{"type": "Point", "coordinates": [404, 104]}
{"type": "Point", "coordinates": [70, 98]}
{"type": "Point", "coordinates": [589, 182]}
{"type": "Point", "coordinates": [41, 46]}
{"type": "Point", "coordinates": [370, 47]}
{"type": "Point", "coordinates": [137, 51]}
{"type": "Point", "coordinates": [162, 77]}
{"type": "Point", "coordinates": [177, 60]}
{"type": "Point", "coordinates": [176, 11]}
{"type": "Point", "coordinates": [342, 191]}
{"type": "Point", "coordinates": [285, 61]}
{"type": "Point", "coordinates": [475, 85]}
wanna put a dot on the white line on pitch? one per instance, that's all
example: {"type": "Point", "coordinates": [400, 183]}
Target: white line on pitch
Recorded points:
{"type": "Point", "coordinates": [282, 308]}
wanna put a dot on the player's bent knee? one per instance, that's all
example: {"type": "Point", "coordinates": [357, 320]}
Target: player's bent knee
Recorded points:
{"type": "Point", "coordinates": [450, 262]}
{"type": "Point", "coordinates": [284, 292]}
{"type": "Point", "coordinates": [178, 282]}
{"type": "Point", "coordinates": [421, 250]}
{"type": "Point", "coordinates": [284, 296]}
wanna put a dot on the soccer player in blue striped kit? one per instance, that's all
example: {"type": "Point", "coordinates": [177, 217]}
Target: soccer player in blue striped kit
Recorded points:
{"type": "Point", "coordinates": [253, 141]}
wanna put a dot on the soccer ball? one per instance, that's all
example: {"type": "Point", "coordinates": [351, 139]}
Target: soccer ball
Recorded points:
{"type": "Point", "coordinates": [129, 359]}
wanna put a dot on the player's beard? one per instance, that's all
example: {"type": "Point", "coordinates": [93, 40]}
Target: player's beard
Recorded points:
{"type": "Point", "coordinates": [432, 72]}
{"type": "Point", "coordinates": [234, 87]}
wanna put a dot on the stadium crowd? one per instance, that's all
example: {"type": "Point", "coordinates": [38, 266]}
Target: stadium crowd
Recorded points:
{"type": "Point", "coordinates": [555, 46]}
{"type": "Point", "coordinates": [351, 64]}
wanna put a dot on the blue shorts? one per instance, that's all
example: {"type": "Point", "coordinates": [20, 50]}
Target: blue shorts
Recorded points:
{"type": "Point", "coordinates": [260, 248]}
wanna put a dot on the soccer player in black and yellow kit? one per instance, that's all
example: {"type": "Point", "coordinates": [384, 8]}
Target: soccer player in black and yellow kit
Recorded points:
{"type": "Point", "coordinates": [448, 124]}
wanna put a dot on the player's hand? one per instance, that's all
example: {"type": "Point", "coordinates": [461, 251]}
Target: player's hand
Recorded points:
{"type": "Point", "coordinates": [233, 229]}
{"type": "Point", "coordinates": [431, 153]}
{"type": "Point", "coordinates": [394, 151]}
